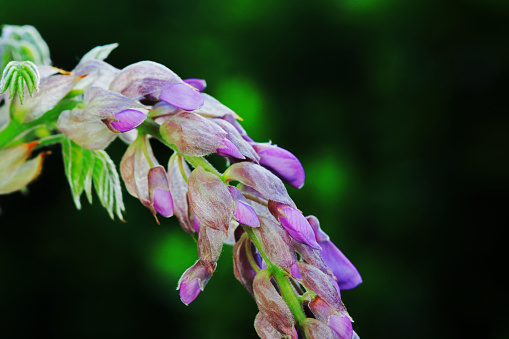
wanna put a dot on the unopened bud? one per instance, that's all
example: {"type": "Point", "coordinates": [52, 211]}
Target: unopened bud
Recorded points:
{"type": "Point", "coordinates": [282, 163]}
{"type": "Point", "coordinates": [261, 180]}
{"type": "Point", "coordinates": [294, 223]}
{"type": "Point", "coordinates": [193, 281]}
{"type": "Point", "coordinates": [321, 284]}
{"type": "Point", "coordinates": [210, 244]}
{"type": "Point", "coordinates": [272, 305]}
{"type": "Point", "coordinates": [277, 245]}
{"type": "Point", "coordinates": [315, 329]}
{"type": "Point", "coordinates": [210, 200]}
{"type": "Point", "coordinates": [159, 190]}
{"type": "Point", "coordinates": [244, 213]}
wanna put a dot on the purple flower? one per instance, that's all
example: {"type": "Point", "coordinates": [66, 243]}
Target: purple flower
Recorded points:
{"type": "Point", "coordinates": [277, 245]}
{"type": "Point", "coordinates": [197, 136]}
{"type": "Point", "coordinates": [244, 213]}
{"type": "Point", "coordinates": [294, 223]}
{"type": "Point", "coordinates": [199, 84]}
{"type": "Point", "coordinates": [210, 200]}
{"type": "Point", "coordinates": [227, 148]}
{"type": "Point", "coordinates": [127, 120]}
{"type": "Point", "coordinates": [342, 325]}
{"type": "Point", "coordinates": [337, 319]}
{"type": "Point", "coordinates": [345, 272]}
{"type": "Point", "coordinates": [159, 190]}
{"type": "Point", "coordinates": [182, 95]}
{"type": "Point", "coordinates": [194, 280]}
{"type": "Point", "coordinates": [147, 80]}
{"type": "Point", "coordinates": [88, 124]}
{"type": "Point", "coordinates": [261, 180]}
{"type": "Point", "coordinates": [282, 163]}
{"type": "Point", "coordinates": [271, 304]}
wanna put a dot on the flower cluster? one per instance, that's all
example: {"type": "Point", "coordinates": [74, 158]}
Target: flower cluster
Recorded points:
{"type": "Point", "coordinates": [283, 258]}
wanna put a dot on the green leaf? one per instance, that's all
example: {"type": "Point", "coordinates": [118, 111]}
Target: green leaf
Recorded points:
{"type": "Point", "coordinates": [84, 167]}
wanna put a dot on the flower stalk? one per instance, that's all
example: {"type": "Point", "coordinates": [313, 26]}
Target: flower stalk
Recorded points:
{"type": "Point", "coordinates": [283, 258]}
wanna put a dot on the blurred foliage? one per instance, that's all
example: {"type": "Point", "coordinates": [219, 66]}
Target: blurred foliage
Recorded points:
{"type": "Point", "coordinates": [398, 111]}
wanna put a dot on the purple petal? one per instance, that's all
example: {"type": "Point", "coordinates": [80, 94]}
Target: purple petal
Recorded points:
{"type": "Point", "coordinates": [282, 163]}
{"type": "Point", "coordinates": [342, 326]}
{"type": "Point", "coordinates": [127, 120]}
{"type": "Point", "coordinates": [315, 224]}
{"type": "Point", "coordinates": [294, 270]}
{"type": "Point", "coordinates": [229, 149]}
{"type": "Point", "coordinates": [298, 227]}
{"type": "Point", "coordinates": [189, 290]}
{"type": "Point", "coordinates": [196, 224]}
{"type": "Point", "coordinates": [182, 96]}
{"type": "Point", "coordinates": [246, 215]}
{"type": "Point", "coordinates": [199, 84]}
{"type": "Point", "coordinates": [347, 275]}
{"type": "Point", "coordinates": [163, 203]}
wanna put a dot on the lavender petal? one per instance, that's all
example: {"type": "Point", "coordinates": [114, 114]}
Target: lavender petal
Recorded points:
{"type": "Point", "coordinates": [127, 120]}
{"type": "Point", "coordinates": [182, 96]}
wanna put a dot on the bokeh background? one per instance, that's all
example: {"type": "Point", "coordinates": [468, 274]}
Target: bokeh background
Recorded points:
{"type": "Point", "coordinates": [398, 112]}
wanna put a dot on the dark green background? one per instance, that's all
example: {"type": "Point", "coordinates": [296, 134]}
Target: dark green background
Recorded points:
{"type": "Point", "coordinates": [398, 112]}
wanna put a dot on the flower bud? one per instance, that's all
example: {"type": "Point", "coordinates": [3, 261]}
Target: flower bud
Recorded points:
{"type": "Point", "coordinates": [244, 213]}
{"type": "Point", "coordinates": [345, 272]}
{"type": "Point", "coordinates": [228, 149]}
{"type": "Point", "coordinates": [210, 200]}
{"type": "Point", "coordinates": [15, 171]}
{"type": "Point", "coordinates": [153, 81]}
{"type": "Point", "coordinates": [311, 256]}
{"type": "Point", "coordinates": [264, 329]}
{"type": "Point", "coordinates": [243, 269]}
{"type": "Point", "coordinates": [272, 305]}
{"type": "Point", "coordinates": [338, 320]}
{"type": "Point", "coordinates": [196, 136]}
{"type": "Point", "coordinates": [315, 329]}
{"type": "Point", "coordinates": [135, 168]}
{"type": "Point", "coordinates": [178, 189]}
{"type": "Point", "coordinates": [294, 223]}
{"type": "Point", "coordinates": [260, 179]}
{"type": "Point", "coordinates": [282, 163]}
{"type": "Point", "coordinates": [193, 281]}
{"type": "Point", "coordinates": [276, 244]}
{"type": "Point", "coordinates": [245, 149]}
{"type": "Point", "coordinates": [160, 196]}
{"type": "Point", "coordinates": [210, 244]}
{"type": "Point", "coordinates": [93, 135]}
{"type": "Point", "coordinates": [321, 284]}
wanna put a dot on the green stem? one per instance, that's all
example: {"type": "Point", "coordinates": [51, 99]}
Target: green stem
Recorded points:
{"type": "Point", "coordinates": [287, 292]}
{"type": "Point", "coordinates": [49, 140]}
